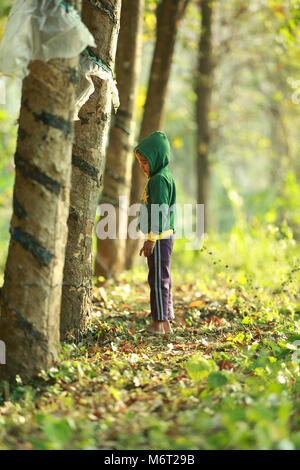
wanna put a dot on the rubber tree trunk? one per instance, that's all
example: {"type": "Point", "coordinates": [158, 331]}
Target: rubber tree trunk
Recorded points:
{"type": "Point", "coordinates": [110, 259]}
{"type": "Point", "coordinates": [169, 13]}
{"type": "Point", "coordinates": [102, 19]}
{"type": "Point", "coordinates": [203, 92]}
{"type": "Point", "coordinates": [31, 294]}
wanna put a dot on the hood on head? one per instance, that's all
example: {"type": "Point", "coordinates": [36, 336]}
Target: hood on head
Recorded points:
{"type": "Point", "coordinates": [156, 149]}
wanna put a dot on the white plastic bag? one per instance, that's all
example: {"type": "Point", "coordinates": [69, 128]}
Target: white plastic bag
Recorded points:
{"type": "Point", "coordinates": [41, 30]}
{"type": "Point", "coordinates": [88, 67]}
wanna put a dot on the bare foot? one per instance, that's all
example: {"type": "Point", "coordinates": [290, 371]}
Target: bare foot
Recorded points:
{"type": "Point", "coordinates": [167, 327]}
{"type": "Point", "coordinates": [156, 328]}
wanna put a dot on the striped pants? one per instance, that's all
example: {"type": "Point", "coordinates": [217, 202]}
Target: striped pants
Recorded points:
{"type": "Point", "coordinates": [159, 279]}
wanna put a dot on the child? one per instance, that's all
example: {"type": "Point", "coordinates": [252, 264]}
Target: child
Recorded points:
{"type": "Point", "coordinates": [153, 154]}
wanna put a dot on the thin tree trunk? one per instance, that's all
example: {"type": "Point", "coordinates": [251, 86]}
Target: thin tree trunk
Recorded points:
{"type": "Point", "coordinates": [203, 91]}
{"type": "Point", "coordinates": [169, 13]}
{"type": "Point", "coordinates": [31, 294]}
{"type": "Point", "coordinates": [102, 19]}
{"type": "Point", "coordinates": [110, 258]}
{"type": "Point", "coordinates": [280, 146]}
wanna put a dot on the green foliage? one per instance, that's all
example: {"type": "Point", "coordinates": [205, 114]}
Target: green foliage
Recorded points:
{"type": "Point", "coordinates": [5, 7]}
{"type": "Point", "coordinates": [199, 368]}
{"type": "Point", "coordinates": [254, 139]}
{"type": "Point", "coordinates": [7, 146]}
{"type": "Point", "coordinates": [150, 20]}
{"type": "Point", "coordinates": [227, 379]}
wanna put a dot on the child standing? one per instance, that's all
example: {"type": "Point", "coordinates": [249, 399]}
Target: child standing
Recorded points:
{"type": "Point", "coordinates": [153, 154]}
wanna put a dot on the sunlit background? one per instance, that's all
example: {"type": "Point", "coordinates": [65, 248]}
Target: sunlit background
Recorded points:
{"type": "Point", "coordinates": [254, 117]}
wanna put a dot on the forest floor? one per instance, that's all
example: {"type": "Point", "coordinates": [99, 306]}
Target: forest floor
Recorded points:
{"type": "Point", "coordinates": [228, 378]}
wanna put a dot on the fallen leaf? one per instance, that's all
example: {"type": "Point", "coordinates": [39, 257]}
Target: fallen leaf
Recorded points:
{"type": "Point", "coordinates": [196, 304]}
{"type": "Point", "coordinates": [225, 365]}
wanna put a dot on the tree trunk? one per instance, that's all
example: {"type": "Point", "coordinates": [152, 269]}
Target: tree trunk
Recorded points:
{"type": "Point", "coordinates": [203, 91]}
{"type": "Point", "coordinates": [110, 258]}
{"type": "Point", "coordinates": [102, 19]}
{"type": "Point", "coordinates": [169, 13]}
{"type": "Point", "coordinates": [31, 294]}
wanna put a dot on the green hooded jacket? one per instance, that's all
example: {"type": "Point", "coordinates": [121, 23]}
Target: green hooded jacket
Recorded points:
{"type": "Point", "coordinates": [161, 189]}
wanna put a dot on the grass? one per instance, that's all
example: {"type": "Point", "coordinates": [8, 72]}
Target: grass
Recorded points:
{"type": "Point", "coordinates": [228, 378]}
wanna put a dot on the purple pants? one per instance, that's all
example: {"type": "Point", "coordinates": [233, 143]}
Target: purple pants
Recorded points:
{"type": "Point", "coordinates": [159, 279]}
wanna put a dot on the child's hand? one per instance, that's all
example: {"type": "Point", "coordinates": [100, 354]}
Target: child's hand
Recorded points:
{"type": "Point", "coordinates": [147, 248]}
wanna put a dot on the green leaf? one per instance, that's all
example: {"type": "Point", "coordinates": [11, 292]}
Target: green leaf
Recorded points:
{"type": "Point", "coordinates": [198, 367]}
{"type": "Point", "coordinates": [217, 379]}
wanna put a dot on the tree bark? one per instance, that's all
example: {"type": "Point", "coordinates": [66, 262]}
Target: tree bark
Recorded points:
{"type": "Point", "coordinates": [169, 13]}
{"type": "Point", "coordinates": [102, 19]}
{"type": "Point", "coordinates": [203, 92]}
{"type": "Point", "coordinates": [110, 258]}
{"type": "Point", "coordinates": [31, 294]}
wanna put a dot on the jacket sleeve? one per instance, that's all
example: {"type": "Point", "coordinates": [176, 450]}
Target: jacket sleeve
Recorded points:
{"type": "Point", "coordinates": [159, 197]}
